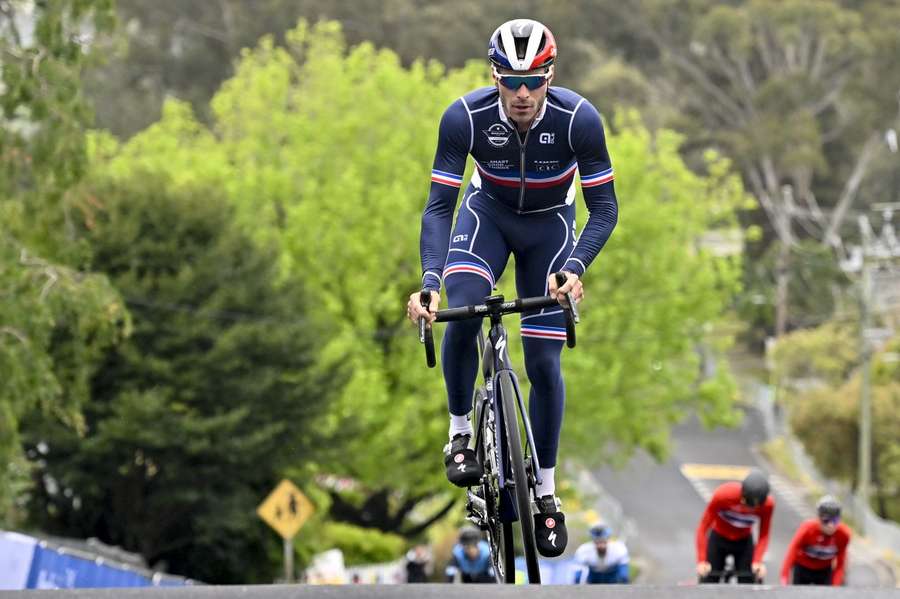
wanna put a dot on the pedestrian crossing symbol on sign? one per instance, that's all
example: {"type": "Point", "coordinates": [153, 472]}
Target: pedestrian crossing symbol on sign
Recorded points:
{"type": "Point", "coordinates": [285, 509]}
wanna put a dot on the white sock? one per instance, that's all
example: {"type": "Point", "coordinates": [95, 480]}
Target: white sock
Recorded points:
{"type": "Point", "coordinates": [460, 425]}
{"type": "Point", "coordinates": [548, 485]}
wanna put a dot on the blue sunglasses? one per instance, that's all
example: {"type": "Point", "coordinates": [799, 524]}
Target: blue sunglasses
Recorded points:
{"type": "Point", "coordinates": [514, 82]}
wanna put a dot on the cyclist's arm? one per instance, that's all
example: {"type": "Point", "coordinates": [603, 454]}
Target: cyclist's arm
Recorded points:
{"type": "Point", "coordinates": [454, 141]}
{"type": "Point", "coordinates": [788, 562]}
{"type": "Point", "coordinates": [706, 522]}
{"type": "Point", "coordinates": [595, 170]}
{"type": "Point", "coordinates": [452, 571]}
{"type": "Point", "coordinates": [765, 520]}
{"type": "Point", "coordinates": [837, 577]}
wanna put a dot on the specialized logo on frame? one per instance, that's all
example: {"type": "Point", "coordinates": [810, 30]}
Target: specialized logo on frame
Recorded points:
{"type": "Point", "coordinates": [498, 135]}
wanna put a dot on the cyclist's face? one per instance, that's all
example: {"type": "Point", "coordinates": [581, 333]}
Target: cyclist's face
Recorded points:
{"type": "Point", "coordinates": [828, 526]}
{"type": "Point", "coordinates": [600, 544]}
{"type": "Point", "coordinates": [523, 104]}
{"type": "Point", "coordinates": [471, 551]}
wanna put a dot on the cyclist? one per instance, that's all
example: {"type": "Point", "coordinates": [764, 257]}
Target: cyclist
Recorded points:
{"type": "Point", "coordinates": [818, 551]}
{"type": "Point", "coordinates": [470, 559]}
{"type": "Point", "coordinates": [527, 140]}
{"type": "Point", "coordinates": [605, 560]}
{"type": "Point", "coordinates": [726, 528]}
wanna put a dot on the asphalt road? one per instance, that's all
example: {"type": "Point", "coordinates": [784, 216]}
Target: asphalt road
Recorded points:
{"type": "Point", "coordinates": [443, 591]}
{"type": "Point", "coordinates": [664, 507]}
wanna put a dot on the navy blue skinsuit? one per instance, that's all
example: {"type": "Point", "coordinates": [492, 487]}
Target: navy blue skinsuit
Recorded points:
{"type": "Point", "coordinates": [521, 201]}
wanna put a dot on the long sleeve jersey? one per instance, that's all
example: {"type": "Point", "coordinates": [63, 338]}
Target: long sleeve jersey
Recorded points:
{"type": "Point", "coordinates": [813, 549]}
{"type": "Point", "coordinates": [733, 520]}
{"type": "Point", "coordinates": [527, 173]}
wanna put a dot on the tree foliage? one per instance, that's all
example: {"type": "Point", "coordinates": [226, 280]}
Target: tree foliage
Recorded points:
{"type": "Point", "coordinates": [819, 371]}
{"type": "Point", "coordinates": [197, 414]}
{"type": "Point", "coordinates": [55, 317]}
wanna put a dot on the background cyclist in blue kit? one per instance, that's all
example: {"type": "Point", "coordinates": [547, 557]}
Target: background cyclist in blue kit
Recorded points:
{"type": "Point", "coordinates": [528, 140]}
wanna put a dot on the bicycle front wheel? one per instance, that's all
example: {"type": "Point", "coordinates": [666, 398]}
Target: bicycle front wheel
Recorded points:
{"type": "Point", "coordinates": [500, 534]}
{"type": "Point", "coordinates": [507, 391]}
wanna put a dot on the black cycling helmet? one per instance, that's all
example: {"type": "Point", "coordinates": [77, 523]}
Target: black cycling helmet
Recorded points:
{"type": "Point", "coordinates": [755, 488]}
{"type": "Point", "coordinates": [828, 508]}
{"type": "Point", "coordinates": [469, 536]}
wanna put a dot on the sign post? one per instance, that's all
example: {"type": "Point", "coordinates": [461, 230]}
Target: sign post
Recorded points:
{"type": "Point", "coordinates": [286, 509]}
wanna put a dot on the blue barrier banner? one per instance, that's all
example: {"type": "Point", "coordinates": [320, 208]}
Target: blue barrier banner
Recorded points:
{"type": "Point", "coordinates": [27, 563]}
{"type": "Point", "coordinates": [52, 569]}
{"type": "Point", "coordinates": [16, 554]}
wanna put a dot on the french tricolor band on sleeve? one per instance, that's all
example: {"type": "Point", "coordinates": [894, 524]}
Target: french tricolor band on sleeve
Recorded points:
{"type": "Point", "coordinates": [597, 178]}
{"type": "Point", "coordinates": [539, 332]}
{"type": "Point", "coordinates": [471, 268]}
{"type": "Point", "coordinates": [431, 280]}
{"type": "Point", "coordinates": [446, 178]}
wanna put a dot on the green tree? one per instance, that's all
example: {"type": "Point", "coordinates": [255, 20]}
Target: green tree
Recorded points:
{"type": "Point", "coordinates": [795, 93]}
{"type": "Point", "coordinates": [819, 372]}
{"type": "Point", "coordinates": [195, 417]}
{"type": "Point", "coordinates": [55, 317]}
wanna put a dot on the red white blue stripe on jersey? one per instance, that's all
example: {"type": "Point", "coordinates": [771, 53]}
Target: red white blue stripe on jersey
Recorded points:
{"type": "Point", "coordinates": [539, 332]}
{"type": "Point", "coordinates": [446, 178]}
{"type": "Point", "coordinates": [597, 178]}
{"type": "Point", "coordinates": [823, 552]}
{"type": "Point", "coordinates": [531, 182]}
{"type": "Point", "coordinates": [737, 519]}
{"type": "Point", "coordinates": [471, 268]}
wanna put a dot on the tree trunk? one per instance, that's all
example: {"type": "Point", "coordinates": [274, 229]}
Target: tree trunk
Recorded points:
{"type": "Point", "coordinates": [782, 278]}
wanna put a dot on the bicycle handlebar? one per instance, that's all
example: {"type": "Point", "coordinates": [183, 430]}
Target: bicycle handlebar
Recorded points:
{"type": "Point", "coordinates": [507, 307]}
{"type": "Point", "coordinates": [735, 573]}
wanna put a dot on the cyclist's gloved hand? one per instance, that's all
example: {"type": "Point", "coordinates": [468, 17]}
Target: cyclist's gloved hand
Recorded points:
{"type": "Point", "coordinates": [572, 285]}
{"type": "Point", "coordinates": [414, 308]}
{"type": "Point", "coordinates": [759, 569]}
{"type": "Point", "coordinates": [703, 568]}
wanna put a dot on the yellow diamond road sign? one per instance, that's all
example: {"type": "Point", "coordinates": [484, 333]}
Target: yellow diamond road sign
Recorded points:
{"type": "Point", "coordinates": [285, 509]}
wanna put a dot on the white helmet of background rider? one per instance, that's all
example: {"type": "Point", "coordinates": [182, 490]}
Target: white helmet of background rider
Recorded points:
{"type": "Point", "coordinates": [522, 45]}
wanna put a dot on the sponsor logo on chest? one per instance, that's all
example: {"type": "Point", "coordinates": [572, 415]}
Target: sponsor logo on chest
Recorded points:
{"type": "Point", "coordinates": [498, 135]}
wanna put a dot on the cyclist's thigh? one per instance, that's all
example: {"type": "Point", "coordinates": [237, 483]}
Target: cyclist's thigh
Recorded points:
{"type": "Point", "coordinates": [477, 255]}
{"type": "Point", "coordinates": [716, 551]}
{"type": "Point", "coordinates": [743, 559]}
{"type": "Point", "coordinates": [541, 245]}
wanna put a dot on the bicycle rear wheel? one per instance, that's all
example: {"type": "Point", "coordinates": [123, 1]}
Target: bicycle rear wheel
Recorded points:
{"type": "Point", "coordinates": [507, 391]}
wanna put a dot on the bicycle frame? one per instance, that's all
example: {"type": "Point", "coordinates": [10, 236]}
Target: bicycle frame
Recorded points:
{"type": "Point", "coordinates": [495, 360]}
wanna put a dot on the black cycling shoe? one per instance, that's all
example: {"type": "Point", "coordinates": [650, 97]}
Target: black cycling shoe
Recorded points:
{"type": "Point", "coordinates": [550, 534]}
{"type": "Point", "coordinates": [463, 469]}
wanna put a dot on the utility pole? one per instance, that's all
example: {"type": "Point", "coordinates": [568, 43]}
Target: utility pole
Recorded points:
{"type": "Point", "coordinates": [865, 389]}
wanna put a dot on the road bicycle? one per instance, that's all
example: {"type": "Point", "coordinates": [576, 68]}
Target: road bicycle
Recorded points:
{"type": "Point", "coordinates": [728, 575]}
{"type": "Point", "coordinates": [511, 468]}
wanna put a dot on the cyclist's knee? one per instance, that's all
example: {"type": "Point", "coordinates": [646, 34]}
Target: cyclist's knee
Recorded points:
{"type": "Point", "coordinates": [543, 368]}
{"type": "Point", "coordinates": [462, 332]}
{"type": "Point", "coordinates": [465, 289]}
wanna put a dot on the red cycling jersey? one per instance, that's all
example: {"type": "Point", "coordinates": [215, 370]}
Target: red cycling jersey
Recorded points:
{"type": "Point", "coordinates": [813, 549]}
{"type": "Point", "coordinates": [734, 520]}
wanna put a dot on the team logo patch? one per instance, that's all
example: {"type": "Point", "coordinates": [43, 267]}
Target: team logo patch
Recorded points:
{"type": "Point", "coordinates": [459, 458]}
{"type": "Point", "coordinates": [550, 523]}
{"type": "Point", "coordinates": [498, 135]}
